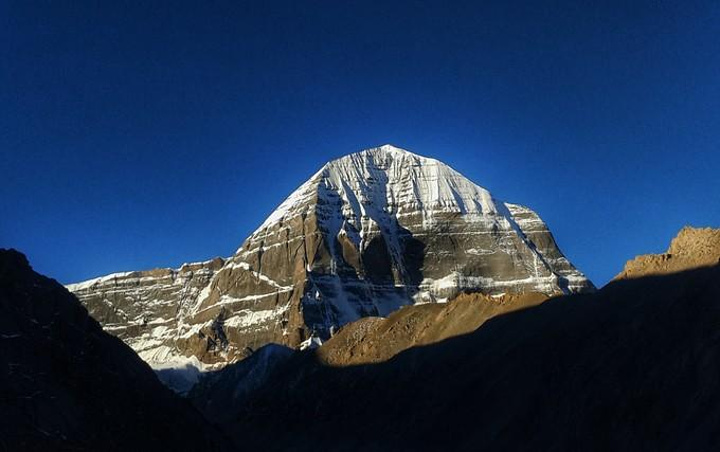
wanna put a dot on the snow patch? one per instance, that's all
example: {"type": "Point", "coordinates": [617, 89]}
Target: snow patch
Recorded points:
{"type": "Point", "coordinates": [179, 373]}
{"type": "Point", "coordinates": [311, 343]}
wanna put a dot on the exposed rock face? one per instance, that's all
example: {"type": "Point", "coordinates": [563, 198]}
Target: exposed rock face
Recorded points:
{"type": "Point", "coordinates": [365, 235]}
{"type": "Point", "coordinates": [692, 248]}
{"type": "Point", "coordinates": [68, 385]}
{"type": "Point", "coordinates": [146, 309]}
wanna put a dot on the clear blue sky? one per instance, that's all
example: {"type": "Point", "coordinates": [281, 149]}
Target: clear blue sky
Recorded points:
{"type": "Point", "coordinates": [136, 135]}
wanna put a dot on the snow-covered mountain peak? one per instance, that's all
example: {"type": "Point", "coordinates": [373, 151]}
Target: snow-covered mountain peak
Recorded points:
{"type": "Point", "coordinates": [366, 234]}
{"type": "Point", "coordinates": [389, 149]}
{"type": "Point", "coordinates": [393, 179]}
{"type": "Point", "coordinates": [374, 175]}
{"type": "Point", "coordinates": [385, 155]}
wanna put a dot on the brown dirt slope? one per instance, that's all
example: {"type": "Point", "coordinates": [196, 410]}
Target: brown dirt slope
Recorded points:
{"type": "Point", "coordinates": [377, 339]}
{"type": "Point", "coordinates": [691, 248]}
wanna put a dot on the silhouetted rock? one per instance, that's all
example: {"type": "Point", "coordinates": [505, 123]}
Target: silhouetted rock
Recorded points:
{"type": "Point", "coordinates": [68, 385]}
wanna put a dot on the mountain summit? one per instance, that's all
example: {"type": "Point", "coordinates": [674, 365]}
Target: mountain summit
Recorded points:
{"type": "Point", "coordinates": [366, 234]}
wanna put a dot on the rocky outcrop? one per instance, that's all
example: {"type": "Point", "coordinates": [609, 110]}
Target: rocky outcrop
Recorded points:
{"type": "Point", "coordinates": [68, 385]}
{"type": "Point", "coordinates": [367, 234]}
{"type": "Point", "coordinates": [691, 248]}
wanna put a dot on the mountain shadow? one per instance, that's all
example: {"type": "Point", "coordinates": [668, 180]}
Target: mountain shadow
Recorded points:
{"type": "Point", "coordinates": [634, 366]}
{"type": "Point", "coordinates": [68, 385]}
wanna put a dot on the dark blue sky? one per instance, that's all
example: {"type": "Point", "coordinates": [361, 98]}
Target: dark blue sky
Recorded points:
{"type": "Point", "coordinates": [135, 135]}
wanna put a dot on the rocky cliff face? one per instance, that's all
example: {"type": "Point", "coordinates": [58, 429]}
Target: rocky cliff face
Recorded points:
{"type": "Point", "coordinates": [68, 385]}
{"type": "Point", "coordinates": [691, 248]}
{"type": "Point", "coordinates": [365, 235]}
{"type": "Point", "coordinates": [148, 309]}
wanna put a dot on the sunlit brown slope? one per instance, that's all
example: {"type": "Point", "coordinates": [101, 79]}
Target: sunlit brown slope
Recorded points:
{"type": "Point", "coordinates": [691, 248]}
{"type": "Point", "coordinates": [377, 339]}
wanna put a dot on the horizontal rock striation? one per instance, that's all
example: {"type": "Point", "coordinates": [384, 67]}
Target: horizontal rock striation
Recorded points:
{"type": "Point", "coordinates": [147, 309]}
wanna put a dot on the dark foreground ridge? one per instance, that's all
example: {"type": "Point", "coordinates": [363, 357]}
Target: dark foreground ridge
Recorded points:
{"type": "Point", "coordinates": [67, 385]}
{"type": "Point", "coordinates": [635, 366]}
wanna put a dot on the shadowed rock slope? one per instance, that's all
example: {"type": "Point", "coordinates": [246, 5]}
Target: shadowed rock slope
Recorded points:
{"type": "Point", "coordinates": [221, 395]}
{"type": "Point", "coordinates": [67, 385]}
{"type": "Point", "coordinates": [634, 366]}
